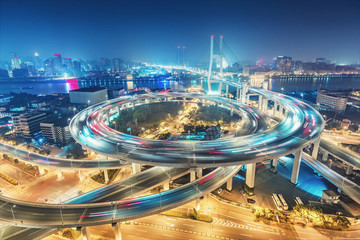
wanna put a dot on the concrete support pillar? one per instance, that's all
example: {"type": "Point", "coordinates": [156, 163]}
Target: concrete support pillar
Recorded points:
{"type": "Point", "coordinates": [275, 109]}
{"type": "Point", "coordinates": [232, 112]}
{"type": "Point", "coordinates": [349, 170]}
{"type": "Point", "coordinates": [250, 178]}
{"type": "Point", "coordinates": [59, 174]}
{"type": "Point", "coordinates": [184, 101]}
{"type": "Point", "coordinates": [135, 167]}
{"type": "Point", "coordinates": [229, 184]}
{"type": "Point", "coordinates": [227, 91]}
{"type": "Point", "coordinates": [85, 234]}
{"type": "Point", "coordinates": [41, 171]}
{"type": "Point", "coordinates": [325, 155]}
{"type": "Point", "coordinates": [296, 167]}
{"type": "Point", "coordinates": [273, 165]}
{"type": "Point", "coordinates": [197, 204]}
{"type": "Point", "coordinates": [166, 185]}
{"type": "Point", "coordinates": [80, 176]}
{"type": "Point", "coordinates": [265, 105]}
{"type": "Point", "coordinates": [237, 94]}
{"type": "Point", "coordinates": [316, 148]}
{"type": "Point", "coordinates": [199, 172]}
{"type": "Point", "coordinates": [117, 230]}
{"type": "Point", "coordinates": [281, 114]}
{"type": "Point", "coordinates": [260, 101]}
{"type": "Point", "coordinates": [192, 174]}
{"type": "Point", "coordinates": [106, 176]}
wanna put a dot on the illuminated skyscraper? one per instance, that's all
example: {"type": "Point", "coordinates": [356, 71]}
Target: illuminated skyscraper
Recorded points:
{"type": "Point", "coordinates": [57, 62]}
{"type": "Point", "coordinates": [68, 65]}
{"type": "Point", "coordinates": [283, 64]}
{"type": "Point", "coordinates": [15, 62]}
{"type": "Point", "coordinates": [37, 61]}
{"type": "Point", "coordinates": [116, 64]}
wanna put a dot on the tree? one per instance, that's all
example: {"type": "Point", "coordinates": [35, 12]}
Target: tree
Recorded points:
{"type": "Point", "coordinates": [76, 150]}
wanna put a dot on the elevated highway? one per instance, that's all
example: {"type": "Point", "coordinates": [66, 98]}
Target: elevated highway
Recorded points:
{"type": "Point", "coordinates": [301, 126]}
{"type": "Point", "coordinates": [37, 215]}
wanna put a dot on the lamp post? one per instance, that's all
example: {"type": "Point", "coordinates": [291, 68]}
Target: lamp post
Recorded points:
{"type": "Point", "coordinates": [74, 109]}
{"type": "Point", "coordinates": [12, 212]}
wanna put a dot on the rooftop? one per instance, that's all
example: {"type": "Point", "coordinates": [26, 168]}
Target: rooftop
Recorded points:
{"type": "Point", "coordinates": [89, 89]}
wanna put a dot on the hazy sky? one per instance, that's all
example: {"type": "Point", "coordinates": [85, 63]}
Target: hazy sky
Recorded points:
{"type": "Point", "coordinates": [151, 30]}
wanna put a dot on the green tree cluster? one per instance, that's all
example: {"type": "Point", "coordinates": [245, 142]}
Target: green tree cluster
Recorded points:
{"type": "Point", "coordinates": [316, 216]}
{"type": "Point", "coordinates": [214, 113]}
{"type": "Point", "coordinates": [75, 150]}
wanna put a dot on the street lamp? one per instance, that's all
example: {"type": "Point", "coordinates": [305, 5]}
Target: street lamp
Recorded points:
{"type": "Point", "coordinates": [74, 109]}
{"type": "Point", "coordinates": [282, 90]}
{"type": "Point", "coordinates": [302, 96]}
{"type": "Point", "coordinates": [12, 212]}
{"type": "Point", "coordinates": [88, 101]}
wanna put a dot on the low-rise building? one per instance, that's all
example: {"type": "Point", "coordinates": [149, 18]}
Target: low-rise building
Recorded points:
{"type": "Point", "coordinates": [27, 125]}
{"type": "Point", "coordinates": [89, 95]}
{"type": "Point", "coordinates": [56, 131]}
{"type": "Point", "coordinates": [335, 102]}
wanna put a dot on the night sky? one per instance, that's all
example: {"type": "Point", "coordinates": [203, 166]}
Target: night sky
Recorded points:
{"type": "Point", "coordinates": [151, 30]}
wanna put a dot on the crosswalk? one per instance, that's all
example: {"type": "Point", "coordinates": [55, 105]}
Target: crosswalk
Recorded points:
{"type": "Point", "coordinates": [228, 223]}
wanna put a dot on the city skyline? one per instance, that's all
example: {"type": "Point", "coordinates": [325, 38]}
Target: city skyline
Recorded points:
{"type": "Point", "coordinates": [152, 32]}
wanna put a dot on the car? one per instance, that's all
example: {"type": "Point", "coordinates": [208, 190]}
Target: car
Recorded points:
{"type": "Point", "coordinates": [252, 201]}
{"type": "Point", "coordinates": [202, 197]}
{"type": "Point", "coordinates": [219, 191]}
{"type": "Point", "coordinates": [127, 222]}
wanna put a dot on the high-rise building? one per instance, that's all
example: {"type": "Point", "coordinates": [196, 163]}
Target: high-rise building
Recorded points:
{"type": "Point", "coordinates": [15, 62]}
{"type": "Point", "coordinates": [283, 64]}
{"type": "Point", "coordinates": [104, 64]}
{"type": "Point", "coordinates": [68, 65]}
{"type": "Point", "coordinates": [27, 125]}
{"type": "Point", "coordinates": [117, 64]}
{"type": "Point", "coordinates": [49, 66]}
{"type": "Point", "coordinates": [37, 61]}
{"type": "Point", "coordinates": [77, 68]}
{"type": "Point", "coordinates": [57, 62]}
{"type": "Point", "coordinates": [297, 65]}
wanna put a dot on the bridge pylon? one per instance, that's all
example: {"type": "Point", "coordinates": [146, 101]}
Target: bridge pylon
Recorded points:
{"type": "Point", "coordinates": [211, 81]}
